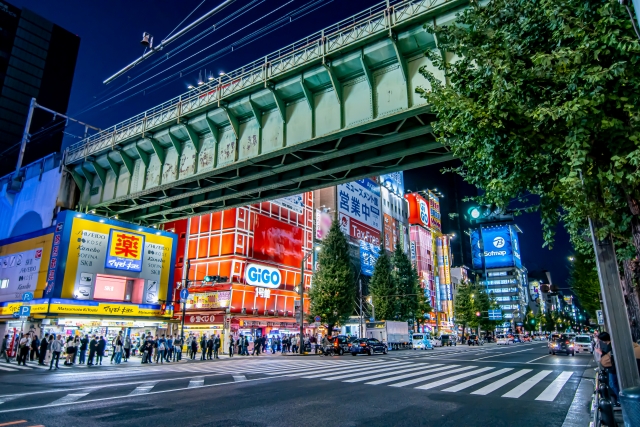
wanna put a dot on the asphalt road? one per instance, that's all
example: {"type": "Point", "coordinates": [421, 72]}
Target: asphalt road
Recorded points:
{"type": "Point", "coordinates": [516, 385]}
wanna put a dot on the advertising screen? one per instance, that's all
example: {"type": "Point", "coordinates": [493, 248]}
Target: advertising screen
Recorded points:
{"type": "Point", "coordinates": [390, 232]}
{"type": "Point", "coordinates": [358, 200]}
{"type": "Point", "coordinates": [515, 245]}
{"type": "Point", "coordinates": [394, 182]}
{"type": "Point", "coordinates": [497, 246]}
{"type": "Point", "coordinates": [476, 249]}
{"type": "Point", "coordinates": [276, 241]}
{"type": "Point", "coordinates": [323, 224]}
{"type": "Point", "coordinates": [368, 256]}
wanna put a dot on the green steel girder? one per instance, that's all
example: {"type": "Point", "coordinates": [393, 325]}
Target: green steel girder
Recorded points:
{"type": "Point", "coordinates": [282, 107]}
{"type": "Point", "coordinates": [337, 87]}
{"type": "Point", "coordinates": [144, 156]}
{"type": "Point", "coordinates": [193, 137]}
{"type": "Point", "coordinates": [176, 143]}
{"type": "Point", "coordinates": [127, 161]}
{"type": "Point", "coordinates": [115, 166]}
{"type": "Point", "coordinates": [267, 164]}
{"type": "Point", "coordinates": [158, 149]}
{"type": "Point", "coordinates": [99, 171]}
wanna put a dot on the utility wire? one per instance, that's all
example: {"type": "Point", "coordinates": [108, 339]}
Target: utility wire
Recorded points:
{"type": "Point", "coordinates": [182, 22]}
{"type": "Point", "coordinates": [278, 24]}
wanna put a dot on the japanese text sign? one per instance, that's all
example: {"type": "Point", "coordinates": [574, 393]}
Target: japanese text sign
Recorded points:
{"type": "Point", "coordinates": [125, 251]}
{"type": "Point", "coordinates": [357, 201]}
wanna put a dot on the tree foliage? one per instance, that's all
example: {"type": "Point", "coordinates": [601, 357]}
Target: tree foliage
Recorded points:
{"type": "Point", "coordinates": [471, 299]}
{"type": "Point", "coordinates": [543, 99]}
{"type": "Point", "coordinates": [382, 287]}
{"type": "Point", "coordinates": [463, 309]}
{"type": "Point", "coordinates": [333, 289]}
{"type": "Point", "coordinates": [408, 291]}
{"type": "Point", "coordinates": [583, 280]}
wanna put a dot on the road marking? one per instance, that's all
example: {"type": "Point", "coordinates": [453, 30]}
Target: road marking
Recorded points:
{"type": "Point", "coordinates": [143, 388]}
{"type": "Point", "coordinates": [478, 380]}
{"type": "Point", "coordinates": [356, 372]}
{"type": "Point", "coordinates": [502, 354]}
{"type": "Point", "coordinates": [550, 393]}
{"type": "Point", "coordinates": [4, 368]}
{"type": "Point", "coordinates": [69, 398]}
{"type": "Point", "coordinates": [527, 385]}
{"type": "Point", "coordinates": [428, 377]}
{"type": "Point", "coordinates": [538, 358]}
{"type": "Point", "coordinates": [239, 378]}
{"type": "Point", "coordinates": [386, 374]}
{"type": "Point", "coordinates": [7, 399]}
{"type": "Point", "coordinates": [501, 382]}
{"type": "Point", "coordinates": [196, 382]}
{"type": "Point", "coordinates": [323, 371]}
{"type": "Point", "coordinates": [452, 379]}
{"type": "Point", "coordinates": [13, 423]}
{"type": "Point", "coordinates": [400, 377]}
{"type": "Point", "coordinates": [15, 366]}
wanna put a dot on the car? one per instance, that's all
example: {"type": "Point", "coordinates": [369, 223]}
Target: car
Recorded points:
{"type": "Point", "coordinates": [583, 344]}
{"type": "Point", "coordinates": [503, 340]}
{"type": "Point", "coordinates": [342, 344]}
{"type": "Point", "coordinates": [516, 338]}
{"type": "Point", "coordinates": [474, 340]}
{"type": "Point", "coordinates": [421, 342]}
{"type": "Point", "coordinates": [448, 340]}
{"type": "Point", "coordinates": [562, 345]}
{"type": "Point", "coordinates": [367, 346]}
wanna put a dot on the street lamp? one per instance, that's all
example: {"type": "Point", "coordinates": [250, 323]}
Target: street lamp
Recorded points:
{"type": "Point", "coordinates": [301, 291]}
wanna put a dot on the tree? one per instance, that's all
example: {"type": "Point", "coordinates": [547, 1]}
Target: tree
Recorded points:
{"type": "Point", "coordinates": [334, 287]}
{"type": "Point", "coordinates": [583, 281]}
{"type": "Point", "coordinates": [488, 303]}
{"type": "Point", "coordinates": [463, 309]}
{"type": "Point", "coordinates": [405, 278]}
{"type": "Point", "coordinates": [529, 323]}
{"type": "Point", "coordinates": [549, 323]}
{"type": "Point", "coordinates": [542, 100]}
{"type": "Point", "coordinates": [382, 287]}
{"type": "Point", "coordinates": [539, 320]}
{"type": "Point", "coordinates": [424, 309]}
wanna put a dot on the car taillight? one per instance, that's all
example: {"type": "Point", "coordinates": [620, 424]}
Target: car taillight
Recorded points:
{"type": "Point", "coordinates": [363, 344]}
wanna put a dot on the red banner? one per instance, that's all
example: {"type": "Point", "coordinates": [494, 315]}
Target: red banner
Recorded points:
{"type": "Point", "coordinates": [359, 231]}
{"type": "Point", "coordinates": [277, 241]}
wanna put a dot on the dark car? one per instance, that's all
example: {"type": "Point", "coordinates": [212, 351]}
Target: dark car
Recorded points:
{"type": "Point", "coordinates": [562, 345]}
{"type": "Point", "coordinates": [342, 344]}
{"type": "Point", "coordinates": [448, 340]}
{"type": "Point", "coordinates": [367, 346]}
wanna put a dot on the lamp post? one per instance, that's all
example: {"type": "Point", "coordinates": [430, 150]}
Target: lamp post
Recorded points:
{"type": "Point", "coordinates": [301, 291]}
{"type": "Point", "coordinates": [185, 285]}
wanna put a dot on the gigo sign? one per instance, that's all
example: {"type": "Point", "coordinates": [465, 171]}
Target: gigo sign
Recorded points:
{"type": "Point", "coordinates": [262, 276]}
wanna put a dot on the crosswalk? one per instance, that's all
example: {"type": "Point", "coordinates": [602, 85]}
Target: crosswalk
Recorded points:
{"type": "Point", "coordinates": [454, 377]}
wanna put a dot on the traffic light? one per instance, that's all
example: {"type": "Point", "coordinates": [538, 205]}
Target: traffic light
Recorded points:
{"type": "Point", "coordinates": [215, 279]}
{"type": "Point", "coordinates": [532, 321]}
{"type": "Point", "coordinates": [163, 308]}
{"type": "Point", "coordinates": [477, 313]}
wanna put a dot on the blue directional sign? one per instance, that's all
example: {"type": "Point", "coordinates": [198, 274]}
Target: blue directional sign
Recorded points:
{"type": "Point", "coordinates": [318, 319]}
{"type": "Point", "coordinates": [27, 296]}
{"type": "Point", "coordinates": [184, 294]}
{"type": "Point", "coordinates": [25, 310]}
{"type": "Point", "coordinates": [495, 314]}
{"type": "Point", "coordinates": [16, 315]}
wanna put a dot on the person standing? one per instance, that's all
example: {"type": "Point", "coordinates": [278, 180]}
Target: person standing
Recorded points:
{"type": "Point", "coordinates": [203, 346]}
{"type": "Point", "coordinates": [113, 345]}
{"type": "Point", "coordinates": [102, 346]}
{"type": "Point", "coordinates": [210, 348]}
{"type": "Point", "coordinates": [194, 348]}
{"type": "Point", "coordinates": [42, 353]}
{"type": "Point", "coordinates": [177, 351]}
{"type": "Point", "coordinates": [55, 346]}
{"type": "Point", "coordinates": [170, 348]}
{"type": "Point", "coordinates": [84, 343]}
{"type": "Point", "coordinates": [162, 348]}
{"type": "Point", "coordinates": [117, 350]}
{"type": "Point", "coordinates": [93, 349]}
{"type": "Point", "coordinates": [216, 346]}
{"type": "Point", "coordinates": [245, 345]}
{"type": "Point", "coordinates": [127, 348]}
{"type": "Point", "coordinates": [35, 348]}
{"type": "Point", "coordinates": [24, 347]}
{"type": "Point", "coordinates": [231, 341]}
{"type": "Point", "coordinates": [4, 350]}
{"type": "Point", "coordinates": [70, 350]}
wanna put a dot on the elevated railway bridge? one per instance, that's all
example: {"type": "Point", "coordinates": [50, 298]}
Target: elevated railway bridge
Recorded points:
{"type": "Point", "coordinates": [334, 107]}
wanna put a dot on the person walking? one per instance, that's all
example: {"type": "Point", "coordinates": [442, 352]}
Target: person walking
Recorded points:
{"type": "Point", "coordinates": [210, 348]}
{"type": "Point", "coordinates": [102, 346]}
{"type": "Point", "coordinates": [203, 346]}
{"type": "Point", "coordinates": [245, 345]}
{"type": "Point", "coordinates": [4, 349]}
{"type": "Point", "coordinates": [216, 346]}
{"type": "Point", "coordinates": [117, 350]}
{"type": "Point", "coordinates": [93, 349]}
{"type": "Point", "coordinates": [194, 348]}
{"type": "Point", "coordinates": [170, 348]}
{"type": "Point", "coordinates": [113, 345]}
{"type": "Point", "coordinates": [127, 348]}
{"type": "Point", "coordinates": [177, 352]}
{"type": "Point", "coordinates": [84, 344]}
{"type": "Point", "coordinates": [70, 350]}
{"type": "Point", "coordinates": [231, 341]}
{"type": "Point", "coordinates": [24, 347]}
{"type": "Point", "coordinates": [162, 349]}
{"type": "Point", "coordinates": [55, 346]}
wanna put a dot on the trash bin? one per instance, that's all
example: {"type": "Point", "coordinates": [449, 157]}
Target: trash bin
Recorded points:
{"type": "Point", "coordinates": [630, 402]}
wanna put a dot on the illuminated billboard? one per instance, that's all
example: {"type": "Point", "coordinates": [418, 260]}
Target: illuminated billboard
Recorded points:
{"type": "Point", "coordinates": [125, 251]}
{"type": "Point", "coordinates": [495, 247]}
{"type": "Point", "coordinates": [419, 210]}
{"type": "Point", "coordinates": [276, 241]}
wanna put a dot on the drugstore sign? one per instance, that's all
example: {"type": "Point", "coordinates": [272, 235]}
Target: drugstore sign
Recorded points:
{"type": "Point", "coordinates": [65, 306]}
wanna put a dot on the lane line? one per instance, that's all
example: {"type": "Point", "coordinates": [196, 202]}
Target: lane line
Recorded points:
{"type": "Point", "coordinates": [357, 372]}
{"type": "Point", "coordinates": [550, 393]}
{"type": "Point", "coordinates": [541, 357]}
{"type": "Point", "coordinates": [386, 374]}
{"type": "Point", "coordinates": [503, 354]}
{"type": "Point", "coordinates": [400, 377]}
{"type": "Point", "coordinates": [478, 380]}
{"type": "Point", "coordinates": [239, 378]}
{"type": "Point", "coordinates": [527, 385]}
{"type": "Point", "coordinates": [143, 388]}
{"type": "Point", "coordinates": [4, 368]}
{"type": "Point", "coordinates": [69, 398]}
{"type": "Point", "coordinates": [196, 382]}
{"type": "Point", "coordinates": [501, 382]}
{"type": "Point", "coordinates": [453, 378]}
{"type": "Point", "coordinates": [429, 377]}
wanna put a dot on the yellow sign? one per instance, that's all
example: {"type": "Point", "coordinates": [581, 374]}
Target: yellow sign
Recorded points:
{"type": "Point", "coordinates": [105, 309]}
{"type": "Point", "coordinates": [13, 307]}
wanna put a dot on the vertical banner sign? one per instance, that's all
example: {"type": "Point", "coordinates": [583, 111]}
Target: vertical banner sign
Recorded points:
{"type": "Point", "coordinates": [323, 224]}
{"type": "Point", "coordinates": [515, 246]}
{"type": "Point", "coordinates": [359, 210]}
{"type": "Point", "coordinates": [55, 253]}
{"type": "Point", "coordinates": [368, 256]}
{"type": "Point", "coordinates": [125, 251]}
{"type": "Point", "coordinates": [476, 250]}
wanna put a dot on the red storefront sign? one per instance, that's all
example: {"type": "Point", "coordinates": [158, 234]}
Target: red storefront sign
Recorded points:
{"type": "Point", "coordinates": [203, 319]}
{"type": "Point", "coordinates": [277, 241]}
{"type": "Point", "coordinates": [359, 230]}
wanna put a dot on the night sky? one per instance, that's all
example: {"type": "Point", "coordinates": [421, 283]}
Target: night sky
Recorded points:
{"type": "Point", "coordinates": [111, 31]}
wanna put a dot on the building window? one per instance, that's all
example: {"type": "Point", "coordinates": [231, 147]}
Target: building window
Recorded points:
{"type": "Point", "coordinates": [4, 283]}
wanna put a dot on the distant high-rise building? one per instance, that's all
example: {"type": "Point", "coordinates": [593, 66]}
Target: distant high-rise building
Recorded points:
{"type": "Point", "coordinates": [37, 60]}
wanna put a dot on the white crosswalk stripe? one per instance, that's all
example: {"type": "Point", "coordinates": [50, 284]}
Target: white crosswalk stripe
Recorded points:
{"type": "Point", "coordinates": [527, 385]}
{"type": "Point", "coordinates": [432, 376]}
{"type": "Point", "coordinates": [388, 373]}
{"type": "Point", "coordinates": [196, 382]}
{"type": "Point", "coordinates": [501, 382]}
{"type": "Point", "coordinates": [475, 381]}
{"type": "Point", "coordinates": [69, 398]}
{"type": "Point", "coordinates": [401, 377]}
{"type": "Point", "coordinates": [550, 393]}
{"type": "Point", "coordinates": [143, 388]}
{"type": "Point", "coordinates": [454, 378]}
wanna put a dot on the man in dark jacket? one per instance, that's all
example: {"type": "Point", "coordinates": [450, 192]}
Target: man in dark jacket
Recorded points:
{"type": "Point", "coordinates": [102, 346]}
{"type": "Point", "coordinates": [216, 346]}
{"type": "Point", "coordinates": [43, 349]}
{"type": "Point", "coordinates": [93, 349]}
{"type": "Point", "coordinates": [203, 346]}
{"type": "Point", "coordinates": [210, 348]}
{"type": "Point", "coordinates": [84, 343]}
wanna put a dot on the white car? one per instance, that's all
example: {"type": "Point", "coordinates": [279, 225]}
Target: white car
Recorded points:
{"type": "Point", "coordinates": [503, 340]}
{"type": "Point", "coordinates": [583, 344]}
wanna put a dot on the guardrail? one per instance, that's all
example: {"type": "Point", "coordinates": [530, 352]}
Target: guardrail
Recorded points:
{"type": "Point", "coordinates": [375, 20]}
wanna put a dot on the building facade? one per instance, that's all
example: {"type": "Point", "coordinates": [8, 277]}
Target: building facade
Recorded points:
{"type": "Point", "coordinates": [37, 60]}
